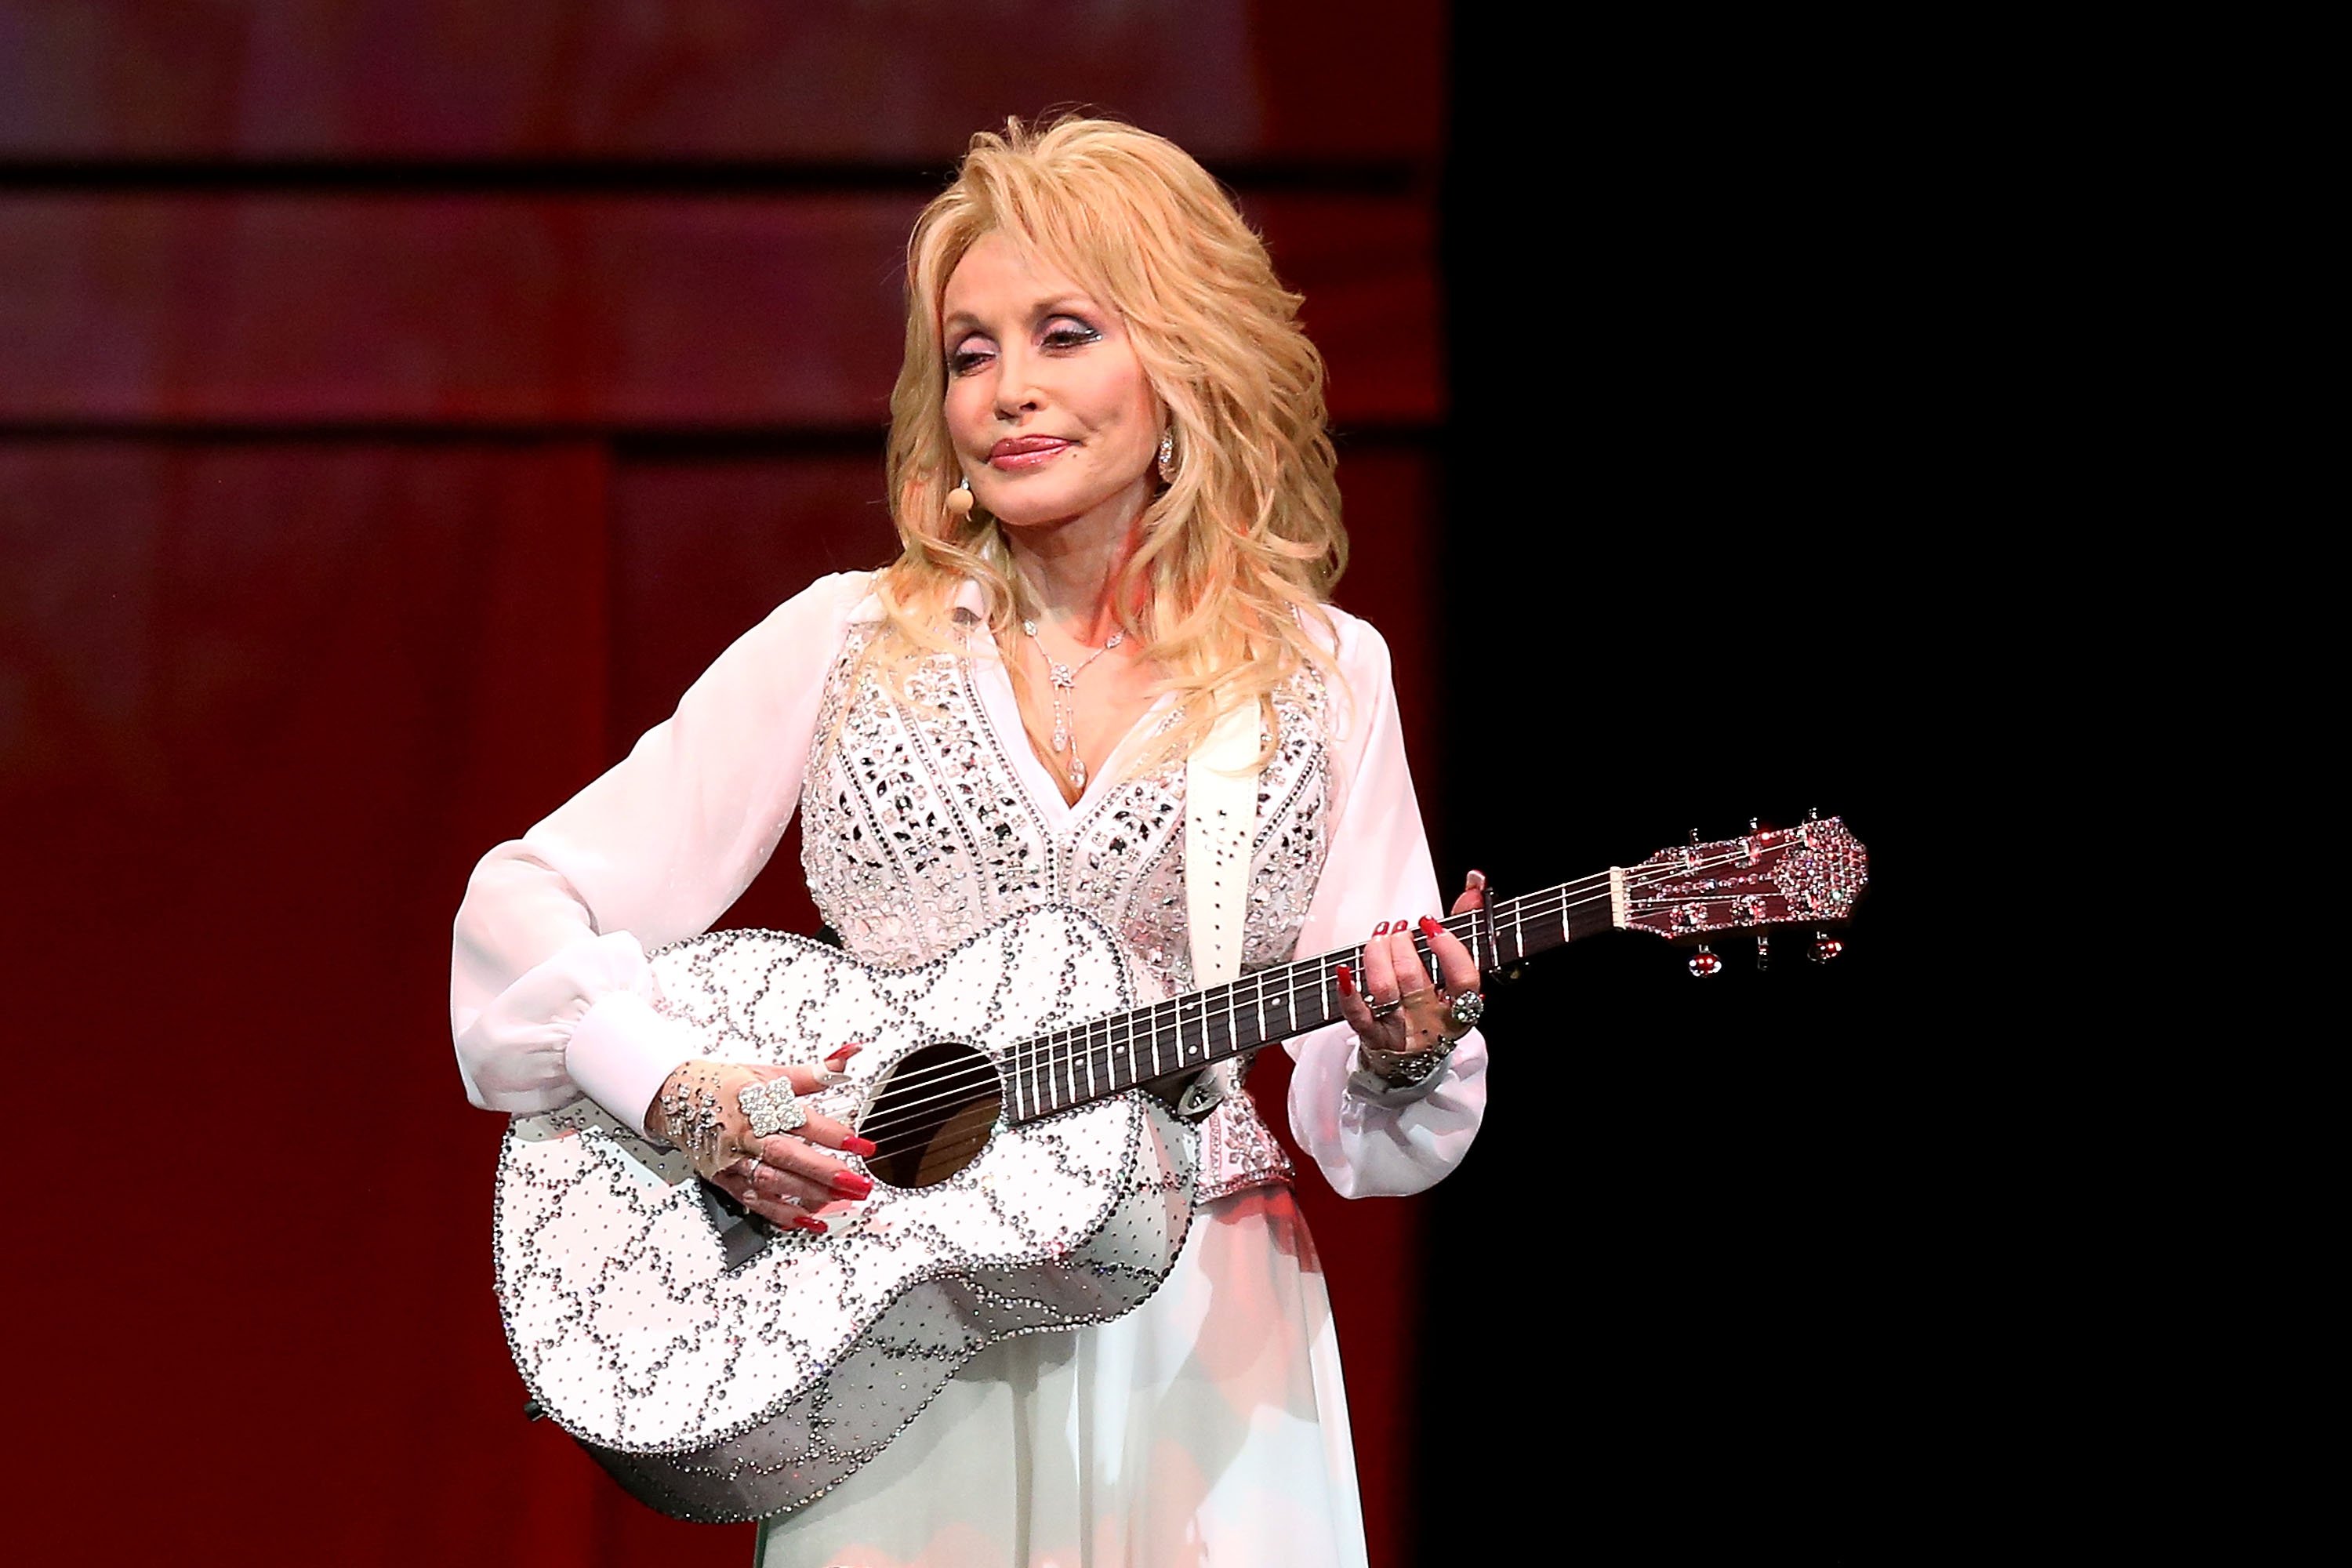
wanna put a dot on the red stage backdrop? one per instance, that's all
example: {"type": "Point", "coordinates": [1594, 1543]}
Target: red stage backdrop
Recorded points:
{"type": "Point", "coordinates": [399, 405]}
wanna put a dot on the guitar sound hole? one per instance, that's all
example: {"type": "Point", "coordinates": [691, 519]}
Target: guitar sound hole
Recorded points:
{"type": "Point", "coordinates": [932, 1115]}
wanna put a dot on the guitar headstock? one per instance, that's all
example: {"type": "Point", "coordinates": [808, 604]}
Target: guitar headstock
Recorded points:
{"type": "Point", "coordinates": [1779, 875]}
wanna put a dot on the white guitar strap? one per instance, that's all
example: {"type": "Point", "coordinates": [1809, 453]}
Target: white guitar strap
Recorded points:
{"type": "Point", "coordinates": [1220, 817]}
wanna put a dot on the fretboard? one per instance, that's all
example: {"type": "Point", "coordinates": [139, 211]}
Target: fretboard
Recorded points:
{"type": "Point", "coordinates": [1111, 1055]}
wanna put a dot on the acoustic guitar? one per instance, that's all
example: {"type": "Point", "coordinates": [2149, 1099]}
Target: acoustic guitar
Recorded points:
{"type": "Point", "coordinates": [1028, 1176]}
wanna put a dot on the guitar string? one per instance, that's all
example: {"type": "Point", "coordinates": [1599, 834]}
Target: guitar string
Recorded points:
{"type": "Point", "coordinates": [1160, 1017]}
{"type": "Point", "coordinates": [1275, 986]}
{"type": "Point", "coordinates": [1155, 1018]}
{"type": "Point", "coordinates": [961, 1079]}
{"type": "Point", "coordinates": [1053, 1050]}
{"type": "Point", "coordinates": [911, 1123]}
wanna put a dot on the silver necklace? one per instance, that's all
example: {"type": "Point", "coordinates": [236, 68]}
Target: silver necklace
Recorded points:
{"type": "Point", "coordinates": [1066, 687]}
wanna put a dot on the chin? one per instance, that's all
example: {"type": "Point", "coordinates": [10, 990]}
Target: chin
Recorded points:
{"type": "Point", "coordinates": [1034, 509]}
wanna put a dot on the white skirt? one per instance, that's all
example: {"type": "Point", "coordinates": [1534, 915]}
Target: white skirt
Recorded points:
{"type": "Point", "coordinates": [1205, 1429]}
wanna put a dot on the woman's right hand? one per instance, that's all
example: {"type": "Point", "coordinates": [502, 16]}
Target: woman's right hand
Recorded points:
{"type": "Point", "coordinates": [783, 1178]}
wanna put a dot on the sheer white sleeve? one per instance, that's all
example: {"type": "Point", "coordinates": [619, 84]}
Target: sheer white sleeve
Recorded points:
{"type": "Point", "coordinates": [1377, 868]}
{"type": "Point", "coordinates": [548, 992]}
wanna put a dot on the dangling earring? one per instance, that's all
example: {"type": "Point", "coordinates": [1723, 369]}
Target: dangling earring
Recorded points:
{"type": "Point", "coordinates": [960, 498]}
{"type": "Point", "coordinates": [1168, 457]}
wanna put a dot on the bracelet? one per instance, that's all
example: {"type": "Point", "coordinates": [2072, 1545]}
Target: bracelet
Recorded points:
{"type": "Point", "coordinates": [689, 1109]}
{"type": "Point", "coordinates": [1405, 1071]}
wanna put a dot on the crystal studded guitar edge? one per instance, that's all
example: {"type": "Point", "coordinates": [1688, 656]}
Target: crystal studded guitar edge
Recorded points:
{"type": "Point", "coordinates": [1027, 1176]}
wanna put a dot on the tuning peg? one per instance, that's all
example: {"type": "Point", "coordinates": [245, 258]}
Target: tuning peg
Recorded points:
{"type": "Point", "coordinates": [1704, 963]}
{"type": "Point", "coordinates": [1763, 951]}
{"type": "Point", "coordinates": [1825, 947]}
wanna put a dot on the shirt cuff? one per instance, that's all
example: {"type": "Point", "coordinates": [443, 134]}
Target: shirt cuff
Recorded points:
{"type": "Point", "coordinates": [622, 1052]}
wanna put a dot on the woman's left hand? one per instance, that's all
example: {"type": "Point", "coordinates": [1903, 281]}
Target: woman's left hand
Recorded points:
{"type": "Point", "coordinates": [1394, 1009]}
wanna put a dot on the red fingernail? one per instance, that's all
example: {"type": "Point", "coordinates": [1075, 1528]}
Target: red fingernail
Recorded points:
{"type": "Point", "coordinates": [1346, 980]}
{"type": "Point", "coordinates": [1399, 922]}
{"type": "Point", "coordinates": [842, 1054]}
{"type": "Point", "coordinates": [1429, 926]}
{"type": "Point", "coordinates": [858, 1146]}
{"type": "Point", "coordinates": [850, 1184]}
{"type": "Point", "coordinates": [808, 1222]}
{"type": "Point", "coordinates": [1382, 929]}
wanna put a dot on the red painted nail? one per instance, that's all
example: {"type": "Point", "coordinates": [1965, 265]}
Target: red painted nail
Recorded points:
{"type": "Point", "coordinates": [1346, 980]}
{"type": "Point", "coordinates": [1429, 926]}
{"type": "Point", "coordinates": [1382, 929]}
{"type": "Point", "coordinates": [842, 1054]}
{"type": "Point", "coordinates": [808, 1222]}
{"type": "Point", "coordinates": [850, 1184]}
{"type": "Point", "coordinates": [858, 1146]}
{"type": "Point", "coordinates": [1399, 922]}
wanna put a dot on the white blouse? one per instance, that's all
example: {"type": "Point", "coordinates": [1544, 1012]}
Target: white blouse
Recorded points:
{"type": "Point", "coordinates": [549, 989]}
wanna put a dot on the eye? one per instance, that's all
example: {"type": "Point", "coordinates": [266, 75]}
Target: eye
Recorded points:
{"type": "Point", "coordinates": [968, 356]}
{"type": "Point", "coordinates": [1070, 333]}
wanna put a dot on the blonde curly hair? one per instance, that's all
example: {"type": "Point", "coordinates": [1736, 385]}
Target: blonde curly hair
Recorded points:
{"type": "Point", "coordinates": [1239, 552]}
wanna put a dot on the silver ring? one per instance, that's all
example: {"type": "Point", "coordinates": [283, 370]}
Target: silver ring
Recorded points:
{"type": "Point", "coordinates": [1468, 1008]}
{"type": "Point", "coordinates": [1382, 1009]}
{"type": "Point", "coordinates": [771, 1112]}
{"type": "Point", "coordinates": [751, 1176]}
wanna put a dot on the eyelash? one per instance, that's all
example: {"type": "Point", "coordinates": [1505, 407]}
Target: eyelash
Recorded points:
{"type": "Point", "coordinates": [1077, 335]}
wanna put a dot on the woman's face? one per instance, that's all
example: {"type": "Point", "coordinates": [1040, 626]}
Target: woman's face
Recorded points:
{"type": "Point", "coordinates": [1051, 415]}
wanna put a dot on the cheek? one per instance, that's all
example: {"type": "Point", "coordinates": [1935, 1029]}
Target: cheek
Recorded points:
{"type": "Point", "coordinates": [962, 408]}
{"type": "Point", "coordinates": [1131, 408]}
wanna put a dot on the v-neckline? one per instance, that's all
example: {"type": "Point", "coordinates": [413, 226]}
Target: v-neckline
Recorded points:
{"type": "Point", "coordinates": [1000, 710]}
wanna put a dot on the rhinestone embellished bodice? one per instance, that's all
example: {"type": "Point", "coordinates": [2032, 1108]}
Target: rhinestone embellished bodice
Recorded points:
{"type": "Point", "coordinates": [917, 832]}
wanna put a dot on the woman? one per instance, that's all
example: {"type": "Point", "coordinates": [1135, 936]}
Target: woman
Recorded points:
{"type": "Point", "coordinates": [1119, 521]}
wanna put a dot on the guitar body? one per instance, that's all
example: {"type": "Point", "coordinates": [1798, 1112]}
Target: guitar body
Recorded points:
{"type": "Point", "coordinates": [722, 1370]}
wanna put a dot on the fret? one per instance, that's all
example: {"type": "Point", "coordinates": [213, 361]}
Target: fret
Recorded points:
{"type": "Point", "coordinates": [1185, 1033]}
{"type": "Point", "coordinates": [1209, 1026]}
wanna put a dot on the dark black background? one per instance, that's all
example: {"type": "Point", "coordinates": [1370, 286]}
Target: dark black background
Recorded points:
{"type": "Point", "coordinates": [1694, 1286]}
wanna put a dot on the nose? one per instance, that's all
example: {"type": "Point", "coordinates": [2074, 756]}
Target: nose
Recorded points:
{"type": "Point", "coordinates": [1016, 385]}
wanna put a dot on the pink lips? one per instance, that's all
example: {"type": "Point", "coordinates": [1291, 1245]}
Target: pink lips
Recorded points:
{"type": "Point", "coordinates": [1026, 451]}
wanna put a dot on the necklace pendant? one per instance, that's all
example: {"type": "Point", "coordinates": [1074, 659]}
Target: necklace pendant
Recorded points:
{"type": "Point", "coordinates": [1077, 773]}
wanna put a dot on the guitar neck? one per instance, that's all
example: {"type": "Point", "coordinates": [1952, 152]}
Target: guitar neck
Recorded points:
{"type": "Point", "coordinates": [1111, 1055]}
